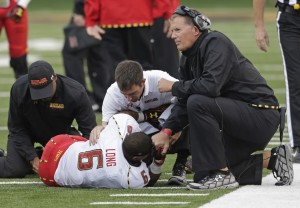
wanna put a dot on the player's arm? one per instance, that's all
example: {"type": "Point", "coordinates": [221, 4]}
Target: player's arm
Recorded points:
{"type": "Point", "coordinates": [155, 168]}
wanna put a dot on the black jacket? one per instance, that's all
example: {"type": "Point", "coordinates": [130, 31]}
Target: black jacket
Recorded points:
{"type": "Point", "coordinates": [214, 67]}
{"type": "Point", "coordinates": [35, 121]}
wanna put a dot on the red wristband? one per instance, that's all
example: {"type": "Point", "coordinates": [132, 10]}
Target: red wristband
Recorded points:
{"type": "Point", "coordinates": [167, 132]}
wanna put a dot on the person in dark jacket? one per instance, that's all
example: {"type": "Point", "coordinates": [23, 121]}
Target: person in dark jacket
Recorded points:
{"type": "Point", "coordinates": [231, 111]}
{"type": "Point", "coordinates": [74, 60]}
{"type": "Point", "coordinates": [42, 105]}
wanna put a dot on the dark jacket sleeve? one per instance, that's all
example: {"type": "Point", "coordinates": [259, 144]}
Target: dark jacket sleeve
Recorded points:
{"type": "Point", "coordinates": [84, 115]}
{"type": "Point", "coordinates": [210, 68]}
{"type": "Point", "coordinates": [17, 127]}
{"type": "Point", "coordinates": [178, 118]}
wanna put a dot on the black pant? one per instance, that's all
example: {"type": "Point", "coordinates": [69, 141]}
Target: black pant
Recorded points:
{"type": "Point", "coordinates": [165, 52]}
{"type": "Point", "coordinates": [14, 165]}
{"type": "Point", "coordinates": [225, 132]}
{"type": "Point", "coordinates": [74, 65]}
{"type": "Point", "coordinates": [117, 45]}
{"type": "Point", "coordinates": [289, 37]}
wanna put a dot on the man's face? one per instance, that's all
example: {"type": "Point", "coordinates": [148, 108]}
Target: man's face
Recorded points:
{"type": "Point", "coordinates": [183, 33]}
{"type": "Point", "coordinates": [134, 93]}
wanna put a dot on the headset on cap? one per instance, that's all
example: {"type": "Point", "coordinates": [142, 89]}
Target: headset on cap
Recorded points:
{"type": "Point", "coordinates": [200, 21]}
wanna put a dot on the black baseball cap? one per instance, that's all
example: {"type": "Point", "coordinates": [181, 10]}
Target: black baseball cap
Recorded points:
{"type": "Point", "coordinates": [40, 78]}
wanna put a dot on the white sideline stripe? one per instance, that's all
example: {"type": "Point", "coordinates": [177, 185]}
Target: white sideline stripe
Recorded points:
{"type": "Point", "coordinates": [4, 94]}
{"type": "Point", "coordinates": [3, 128]}
{"type": "Point", "coordinates": [267, 195]}
{"type": "Point", "coordinates": [138, 203]}
{"type": "Point", "coordinates": [158, 195]}
{"type": "Point", "coordinates": [19, 182]}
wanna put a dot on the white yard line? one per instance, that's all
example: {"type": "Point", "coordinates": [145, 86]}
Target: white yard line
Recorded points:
{"type": "Point", "coordinates": [19, 182]}
{"type": "Point", "coordinates": [265, 196]}
{"type": "Point", "coordinates": [138, 203]}
{"type": "Point", "coordinates": [158, 195]}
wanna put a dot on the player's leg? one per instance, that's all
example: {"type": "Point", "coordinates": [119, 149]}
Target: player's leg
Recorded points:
{"type": "Point", "coordinates": [17, 34]}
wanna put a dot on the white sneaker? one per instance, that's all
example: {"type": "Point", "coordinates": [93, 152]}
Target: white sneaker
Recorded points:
{"type": "Point", "coordinates": [219, 180]}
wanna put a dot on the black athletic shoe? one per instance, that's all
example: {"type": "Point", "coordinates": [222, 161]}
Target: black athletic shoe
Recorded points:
{"type": "Point", "coordinates": [283, 170]}
{"type": "Point", "coordinates": [178, 175]}
{"type": "Point", "coordinates": [218, 180]}
{"type": "Point", "coordinates": [2, 152]}
{"type": "Point", "coordinates": [296, 155]}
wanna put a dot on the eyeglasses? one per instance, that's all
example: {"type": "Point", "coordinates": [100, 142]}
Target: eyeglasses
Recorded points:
{"type": "Point", "coordinates": [185, 11]}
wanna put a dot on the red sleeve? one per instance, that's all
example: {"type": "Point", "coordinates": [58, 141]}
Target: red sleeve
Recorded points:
{"type": "Point", "coordinates": [92, 12]}
{"type": "Point", "coordinates": [160, 8]}
{"type": "Point", "coordinates": [164, 8]}
{"type": "Point", "coordinates": [172, 6]}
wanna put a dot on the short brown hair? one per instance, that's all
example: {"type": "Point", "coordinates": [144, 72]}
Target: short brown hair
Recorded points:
{"type": "Point", "coordinates": [188, 19]}
{"type": "Point", "coordinates": [128, 73]}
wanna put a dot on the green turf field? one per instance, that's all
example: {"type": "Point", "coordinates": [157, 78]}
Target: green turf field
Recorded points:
{"type": "Point", "coordinates": [47, 19]}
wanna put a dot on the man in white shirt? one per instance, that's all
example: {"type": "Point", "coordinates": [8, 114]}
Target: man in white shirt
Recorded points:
{"type": "Point", "coordinates": [136, 92]}
{"type": "Point", "coordinates": [115, 161]}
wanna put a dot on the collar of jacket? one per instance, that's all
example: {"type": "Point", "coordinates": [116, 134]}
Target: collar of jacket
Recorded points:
{"type": "Point", "coordinates": [193, 50]}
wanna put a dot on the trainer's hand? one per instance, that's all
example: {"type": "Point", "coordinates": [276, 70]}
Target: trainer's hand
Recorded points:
{"type": "Point", "coordinates": [175, 137]}
{"type": "Point", "coordinates": [95, 31]}
{"type": "Point", "coordinates": [262, 38]}
{"type": "Point", "coordinates": [161, 141]}
{"type": "Point", "coordinates": [95, 134]}
{"type": "Point", "coordinates": [35, 164]}
{"type": "Point", "coordinates": [16, 13]}
{"type": "Point", "coordinates": [165, 85]}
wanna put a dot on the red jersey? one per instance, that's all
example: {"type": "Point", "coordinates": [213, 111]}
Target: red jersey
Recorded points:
{"type": "Point", "coordinates": [165, 8]}
{"type": "Point", "coordinates": [119, 13]}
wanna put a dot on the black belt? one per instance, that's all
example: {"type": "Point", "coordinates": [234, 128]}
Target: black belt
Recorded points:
{"type": "Point", "coordinates": [288, 9]}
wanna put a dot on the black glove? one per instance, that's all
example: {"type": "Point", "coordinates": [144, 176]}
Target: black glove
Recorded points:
{"type": "Point", "coordinates": [152, 115]}
{"type": "Point", "coordinates": [16, 13]}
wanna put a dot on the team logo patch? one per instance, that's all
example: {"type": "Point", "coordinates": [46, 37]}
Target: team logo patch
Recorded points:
{"type": "Point", "coordinates": [58, 154]}
{"type": "Point", "coordinates": [57, 105]}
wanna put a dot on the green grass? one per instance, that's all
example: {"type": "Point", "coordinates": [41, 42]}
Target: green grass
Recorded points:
{"type": "Point", "coordinates": [47, 20]}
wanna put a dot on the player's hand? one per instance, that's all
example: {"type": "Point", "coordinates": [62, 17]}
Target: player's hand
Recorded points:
{"type": "Point", "coordinates": [161, 141]}
{"type": "Point", "coordinates": [158, 158]}
{"type": "Point", "coordinates": [78, 20]}
{"type": "Point", "coordinates": [95, 134]}
{"type": "Point", "coordinates": [152, 115]}
{"type": "Point", "coordinates": [165, 85]}
{"type": "Point", "coordinates": [16, 13]}
{"type": "Point", "coordinates": [35, 164]}
{"type": "Point", "coordinates": [95, 31]}
{"type": "Point", "coordinates": [166, 29]}
{"type": "Point", "coordinates": [262, 38]}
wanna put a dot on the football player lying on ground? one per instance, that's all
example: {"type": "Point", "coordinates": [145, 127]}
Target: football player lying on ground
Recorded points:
{"type": "Point", "coordinates": [114, 162]}
{"type": "Point", "coordinates": [136, 93]}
